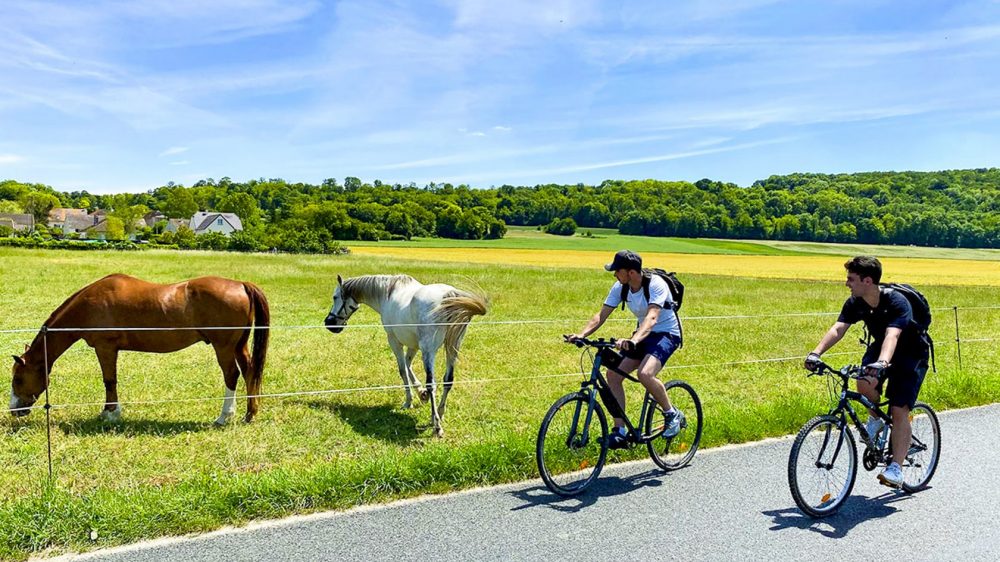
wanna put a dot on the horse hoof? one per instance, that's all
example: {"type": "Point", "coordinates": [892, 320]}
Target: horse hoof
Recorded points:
{"type": "Point", "coordinates": [248, 418]}
{"type": "Point", "coordinates": [221, 421]}
{"type": "Point", "coordinates": [112, 416]}
{"type": "Point", "coordinates": [424, 395]}
{"type": "Point", "coordinates": [439, 432]}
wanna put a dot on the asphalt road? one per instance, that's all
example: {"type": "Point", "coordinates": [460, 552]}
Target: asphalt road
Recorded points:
{"type": "Point", "coordinates": [730, 504]}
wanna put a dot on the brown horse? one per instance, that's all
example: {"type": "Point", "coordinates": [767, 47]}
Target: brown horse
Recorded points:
{"type": "Point", "coordinates": [120, 301]}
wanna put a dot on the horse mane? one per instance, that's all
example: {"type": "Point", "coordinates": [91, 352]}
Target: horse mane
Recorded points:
{"type": "Point", "coordinates": [375, 287]}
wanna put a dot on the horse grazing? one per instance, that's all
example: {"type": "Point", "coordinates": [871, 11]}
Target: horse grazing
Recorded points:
{"type": "Point", "coordinates": [409, 310]}
{"type": "Point", "coordinates": [120, 301]}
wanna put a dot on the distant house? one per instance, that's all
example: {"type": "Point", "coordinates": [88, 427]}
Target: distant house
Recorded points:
{"type": "Point", "coordinates": [97, 231]}
{"type": "Point", "coordinates": [173, 225]}
{"type": "Point", "coordinates": [227, 223]}
{"type": "Point", "coordinates": [151, 218]}
{"type": "Point", "coordinates": [18, 221]}
{"type": "Point", "coordinates": [70, 220]}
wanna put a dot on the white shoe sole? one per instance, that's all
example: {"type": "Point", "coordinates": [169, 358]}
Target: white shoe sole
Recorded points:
{"type": "Point", "coordinates": [886, 482]}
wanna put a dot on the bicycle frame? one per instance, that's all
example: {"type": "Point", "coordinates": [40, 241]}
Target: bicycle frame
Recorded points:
{"type": "Point", "coordinates": [600, 384]}
{"type": "Point", "coordinates": [844, 408]}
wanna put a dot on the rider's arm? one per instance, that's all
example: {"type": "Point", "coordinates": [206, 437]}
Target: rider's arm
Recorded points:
{"type": "Point", "coordinates": [832, 336]}
{"type": "Point", "coordinates": [596, 322]}
{"type": "Point", "coordinates": [889, 344]}
{"type": "Point", "coordinates": [652, 314]}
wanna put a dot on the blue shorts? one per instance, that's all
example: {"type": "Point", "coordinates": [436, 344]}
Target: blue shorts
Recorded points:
{"type": "Point", "coordinates": [658, 344]}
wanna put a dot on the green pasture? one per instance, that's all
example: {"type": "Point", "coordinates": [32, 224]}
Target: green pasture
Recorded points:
{"type": "Point", "coordinates": [529, 238]}
{"type": "Point", "coordinates": [608, 239]}
{"type": "Point", "coordinates": [165, 470]}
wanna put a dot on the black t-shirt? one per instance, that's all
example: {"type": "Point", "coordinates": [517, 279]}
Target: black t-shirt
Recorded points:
{"type": "Point", "coordinates": [893, 311]}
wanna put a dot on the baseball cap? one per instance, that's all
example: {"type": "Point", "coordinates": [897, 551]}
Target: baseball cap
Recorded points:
{"type": "Point", "coordinates": [625, 259]}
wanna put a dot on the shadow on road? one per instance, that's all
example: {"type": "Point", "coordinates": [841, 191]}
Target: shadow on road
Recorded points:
{"type": "Point", "coordinates": [857, 509]}
{"type": "Point", "coordinates": [605, 486]}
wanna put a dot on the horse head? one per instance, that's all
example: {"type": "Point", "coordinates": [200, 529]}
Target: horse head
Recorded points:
{"type": "Point", "coordinates": [344, 305]}
{"type": "Point", "coordinates": [27, 384]}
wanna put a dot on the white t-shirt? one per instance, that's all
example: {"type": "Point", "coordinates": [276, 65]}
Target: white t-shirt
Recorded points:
{"type": "Point", "coordinates": [659, 294]}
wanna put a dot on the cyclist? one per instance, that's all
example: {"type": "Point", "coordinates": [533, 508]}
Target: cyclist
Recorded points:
{"type": "Point", "coordinates": [896, 352]}
{"type": "Point", "coordinates": [656, 337]}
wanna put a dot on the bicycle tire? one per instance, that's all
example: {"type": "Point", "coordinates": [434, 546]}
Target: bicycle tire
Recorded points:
{"type": "Point", "coordinates": [566, 465]}
{"type": "Point", "coordinates": [821, 499]}
{"type": "Point", "coordinates": [922, 415]}
{"type": "Point", "coordinates": [674, 452]}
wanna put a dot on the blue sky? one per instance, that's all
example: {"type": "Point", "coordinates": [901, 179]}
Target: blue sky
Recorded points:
{"type": "Point", "coordinates": [114, 96]}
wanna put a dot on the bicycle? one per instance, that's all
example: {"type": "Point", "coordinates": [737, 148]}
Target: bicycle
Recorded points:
{"type": "Point", "coordinates": [569, 454]}
{"type": "Point", "coordinates": [819, 484]}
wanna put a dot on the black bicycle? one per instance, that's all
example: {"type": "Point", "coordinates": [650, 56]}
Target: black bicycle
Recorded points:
{"type": "Point", "coordinates": [573, 439]}
{"type": "Point", "coordinates": [823, 463]}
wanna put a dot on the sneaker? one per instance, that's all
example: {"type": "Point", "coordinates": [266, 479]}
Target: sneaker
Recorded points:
{"type": "Point", "coordinates": [892, 476]}
{"type": "Point", "coordinates": [874, 427]}
{"type": "Point", "coordinates": [617, 439]}
{"type": "Point", "coordinates": [675, 422]}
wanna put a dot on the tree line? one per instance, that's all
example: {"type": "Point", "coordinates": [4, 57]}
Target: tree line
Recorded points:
{"type": "Point", "coordinates": [955, 208]}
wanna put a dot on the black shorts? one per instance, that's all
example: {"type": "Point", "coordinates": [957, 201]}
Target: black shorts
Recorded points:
{"type": "Point", "coordinates": [905, 375]}
{"type": "Point", "coordinates": [658, 344]}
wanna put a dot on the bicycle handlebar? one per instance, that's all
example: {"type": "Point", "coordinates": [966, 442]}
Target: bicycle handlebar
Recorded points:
{"type": "Point", "coordinates": [599, 343]}
{"type": "Point", "coordinates": [847, 371]}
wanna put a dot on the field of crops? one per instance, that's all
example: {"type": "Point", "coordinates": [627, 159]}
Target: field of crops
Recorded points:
{"type": "Point", "coordinates": [165, 470]}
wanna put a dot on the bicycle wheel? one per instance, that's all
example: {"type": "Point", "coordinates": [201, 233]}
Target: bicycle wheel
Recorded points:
{"type": "Point", "coordinates": [570, 452]}
{"type": "Point", "coordinates": [671, 453]}
{"type": "Point", "coordinates": [822, 466]}
{"type": "Point", "coordinates": [925, 449]}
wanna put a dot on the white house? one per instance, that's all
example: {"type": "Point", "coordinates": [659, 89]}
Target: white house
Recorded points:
{"type": "Point", "coordinates": [227, 223]}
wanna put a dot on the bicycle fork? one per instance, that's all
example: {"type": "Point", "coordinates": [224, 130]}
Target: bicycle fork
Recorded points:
{"type": "Point", "coordinates": [575, 440]}
{"type": "Point", "coordinates": [826, 443]}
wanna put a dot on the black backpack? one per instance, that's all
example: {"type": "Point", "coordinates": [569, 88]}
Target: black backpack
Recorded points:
{"type": "Point", "coordinates": [918, 303]}
{"type": "Point", "coordinates": [921, 310]}
{"type": "Point", "coordinates": [674, 284]}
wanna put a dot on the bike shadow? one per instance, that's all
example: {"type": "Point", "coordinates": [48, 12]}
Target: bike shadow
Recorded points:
{"type": "Point", "coordinates": [605, 486]}
{"type": "Point", "coordinates": [857, 509]}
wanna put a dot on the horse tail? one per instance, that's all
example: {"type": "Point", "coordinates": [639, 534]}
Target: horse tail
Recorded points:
{"type": "Point", "coordinates": [456, 310]}
{"type": "Point", "coordinates": [261, 335]}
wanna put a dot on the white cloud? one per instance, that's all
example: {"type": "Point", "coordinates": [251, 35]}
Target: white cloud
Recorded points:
{"type": "Point", "coordinates": [174, 150]}
{"type": "Point", "coordinates": [10, 159]}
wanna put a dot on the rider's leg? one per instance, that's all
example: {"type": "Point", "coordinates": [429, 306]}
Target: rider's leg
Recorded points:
{"type": "Point", "coordinates": [901, 433]}
{"type": "Point", "coordinates": [871, 388]}
{"type": "Point", "coordinates": [615, 384]}
{"type": "Point", "coordinates": [905, 380]}
{"type": "Point", "coordinates": [648, 371]}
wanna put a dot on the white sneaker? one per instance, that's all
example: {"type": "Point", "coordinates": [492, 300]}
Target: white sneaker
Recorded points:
{"type": "Point", "coordinates": [892, 476]}
{"type": "Point", "coordinates": [874, 427]}
{"type": "Point", "coordinates": [675, 421]}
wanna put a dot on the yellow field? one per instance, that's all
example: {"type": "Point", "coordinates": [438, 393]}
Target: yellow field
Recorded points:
{"type": "Point", "coordinates": [822, 268]}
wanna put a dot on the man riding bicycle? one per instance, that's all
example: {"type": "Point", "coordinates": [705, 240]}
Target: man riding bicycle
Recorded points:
{"type": "Point", "coordinates": [896, 352]}
{"type": "Point", "coordinates": [656, 337]}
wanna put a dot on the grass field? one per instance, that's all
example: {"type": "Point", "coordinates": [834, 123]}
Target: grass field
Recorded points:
{"type": "Point", "coordinates": [165, 470]}
{"type": "Point", "coordinates": [607, 239]}
{"type": "Point", "coordinates": [604, 239]}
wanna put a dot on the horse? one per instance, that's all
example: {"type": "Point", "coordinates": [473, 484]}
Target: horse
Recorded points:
{"type": "Point", "coordinates": [170, 318]}
{"type": "Point", "coordinates": [417, 317]}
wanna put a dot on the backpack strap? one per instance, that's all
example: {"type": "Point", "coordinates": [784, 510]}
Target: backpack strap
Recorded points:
{"type": "Point", "coordinates": [645, 289]}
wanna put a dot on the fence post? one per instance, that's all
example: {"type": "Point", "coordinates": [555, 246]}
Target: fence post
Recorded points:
{"type": "Point", "coordinates": [48, 406]}
{"type": "Point", "coordinates": [958, 339]}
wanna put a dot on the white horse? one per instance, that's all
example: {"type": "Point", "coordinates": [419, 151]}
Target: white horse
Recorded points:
{"type": "Point", "coordinates": [417, 317]}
